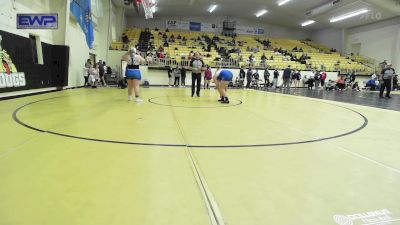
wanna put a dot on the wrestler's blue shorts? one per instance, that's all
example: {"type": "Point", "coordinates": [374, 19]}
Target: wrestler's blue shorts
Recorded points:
{"type": "Point", "coordinates": [225, 75]}
{"type": "Point", "coordinates": [133, 74]}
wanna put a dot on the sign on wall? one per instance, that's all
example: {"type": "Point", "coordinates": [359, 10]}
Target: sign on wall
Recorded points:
{"type": "Point", "coordinates": [192, 26]}
{"type": "Point", "coordinates": [210, 27]}
{"type": "Point", "coordinates": [249, 30]}
{"type": "Point", "coordinates": [37, 21]}
{"type": "Point", "coordinates": [9, 76]}
{"type": "Point", "coordinates": [19, 71]}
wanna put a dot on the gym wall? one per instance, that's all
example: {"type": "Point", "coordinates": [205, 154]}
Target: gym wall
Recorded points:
{"type": "Point", "coordinates": [160, 77]}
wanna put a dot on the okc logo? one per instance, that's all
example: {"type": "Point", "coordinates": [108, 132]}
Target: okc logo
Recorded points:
{"type": "Point", "coordinates": [343, 220]}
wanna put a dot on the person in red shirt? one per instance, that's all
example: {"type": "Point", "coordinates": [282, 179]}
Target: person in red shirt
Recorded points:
{"type": "Point", "coordinates": [341, 83]}
{"type": "Point", "coordinates": [323, 78]}
{"type": "Point", "coordinates": [207, 77]}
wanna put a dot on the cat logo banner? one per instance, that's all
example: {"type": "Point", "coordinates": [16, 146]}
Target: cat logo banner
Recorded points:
{"type": "Point", "coordinates": [9, 76]}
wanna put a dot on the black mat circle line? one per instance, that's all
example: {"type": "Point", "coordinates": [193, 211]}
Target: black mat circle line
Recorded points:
{"type": "Point", "coordinates": [232, 103]}
{"type": "Point", "coordinates": [16, 119]}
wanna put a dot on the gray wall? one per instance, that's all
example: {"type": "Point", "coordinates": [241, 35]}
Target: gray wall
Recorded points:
{"type": "Point", "coordinates": [270, 30]}
{"type": "Point", "coordinates": [331, 37]}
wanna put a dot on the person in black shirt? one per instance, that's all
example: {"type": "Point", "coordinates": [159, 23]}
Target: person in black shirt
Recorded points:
{"type": "Point", "coordinates": [287, 74]}
{"type": "Point", "coordinates": [266, 77]}
{"type": "Point", "coordinates": [249, 77]}
{"type": "Point", "coordinates": [242, 73]}
{"type": "Point", "coordinates": [352, 78]}
{"type": "Point", "coordinates": [183, 76]}
{"type": "Point", "coordinates": [101, 73]}
{"type": "Point", "coordinates": [198, 67]}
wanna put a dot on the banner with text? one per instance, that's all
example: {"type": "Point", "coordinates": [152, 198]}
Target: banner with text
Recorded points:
{"type": "Point", "coordinates": [250, 30]}
{"type": "Point", "coordinates": [192, 26]}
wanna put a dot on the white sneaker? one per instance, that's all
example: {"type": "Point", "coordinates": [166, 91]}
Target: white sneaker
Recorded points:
{"type": "Point", "coordinates": [169, 86]}
{"type": "Point", "coordinates": [138, 100]}
{"type": "Point", "coordinates": [129, 98]}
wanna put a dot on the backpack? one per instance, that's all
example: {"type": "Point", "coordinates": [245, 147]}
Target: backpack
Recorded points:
{"type": "Point", "coordinates": [121, 84]}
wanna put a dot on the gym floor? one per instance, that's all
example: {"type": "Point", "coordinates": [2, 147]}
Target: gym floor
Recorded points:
{"type": "Point", "coordinates": [90, 157]}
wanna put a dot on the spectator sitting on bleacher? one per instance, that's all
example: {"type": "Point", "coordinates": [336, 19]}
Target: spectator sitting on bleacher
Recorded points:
{"type": "Point", "coordinates": [256, 49]}
{"type": "Point", "coordinates": [125, 41]}
{"type": "Point", "coordinates": [286, 58]}
{"type": "Point", "coordinates": [167, 30]}
{"type": "Point", "coordinates": [271, 58]}
{"type": "Point", "coordinates": [166, 44]}
{"type": "Point", "coordinates": [263, 57]}
{"type": "Point", "coordinates": [190, 56]}
{"type": "Point", "coordinates": [295, 48]}
{"type": "Point", "coordinates": [252, 58]}
{"type": "Point", "coordinates": [164, 35]}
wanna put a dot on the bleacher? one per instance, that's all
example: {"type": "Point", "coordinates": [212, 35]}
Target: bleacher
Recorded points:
{"type": "Point", "coordinates": [320, 56]}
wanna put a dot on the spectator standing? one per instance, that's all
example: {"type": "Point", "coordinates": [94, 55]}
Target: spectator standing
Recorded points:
{"type": "Point", "coordinates": [197, 66]}
{"type": "Point", "coordinates": [242, 73]}
{"type": "Point", "coordinates": [88, 65]}
{"type": "Point", "coordinates": [386, 80]}
{"type": "Point", "coordinates": [177, 75]}
{"type": "Point", "coordinates": [183, 76]}
{"type": "Point", "coordinates": [249, 76]}
{"type": "Point", "coordinates": [207, 77]}
{"type": "Point", "coordinates": [102, 71]}
{"type": "Point", "coordinates": [323, 78]}
{"type": "Point", "coordinates": [275, 81]}
{"type": "Point", "coordinates": [317, 79]}
{"type": "Point", "coordinates": [352, 78]}
{"type": "Point", "coordinates": [171, 76]}
{"type": "Point", "coordinates": [296, 78]}
{"type": "Point", "coordinates": [287, 74]}
{"type": "Point", "coordinates": [266, 77]}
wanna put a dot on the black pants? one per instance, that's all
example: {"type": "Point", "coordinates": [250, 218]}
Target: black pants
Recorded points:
{"type": "Point", "coordinates": [248, 84]}
{"type": "Point", "coordinates": [183, 80]}
{"type": "Point", "coordinates": [387, 84]}
{"type": "Point", "coordinates": [322, 83]}
{"type": "Point", "coordinates": [176, 83]}
{"type": "Point", "coordinates": [196, 79]}
{"type": "Point", "coordinates": [86, 81]}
